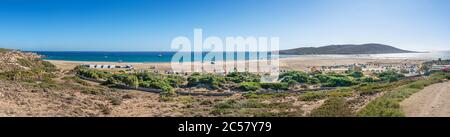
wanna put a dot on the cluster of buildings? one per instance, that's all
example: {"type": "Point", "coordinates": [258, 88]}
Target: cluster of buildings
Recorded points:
{"type": "Point", "coordinates": [370, 67]}
{"type": "Point", "coordinates": [435, 67]}
{"type": "Point", "coordinates": [107, 66]}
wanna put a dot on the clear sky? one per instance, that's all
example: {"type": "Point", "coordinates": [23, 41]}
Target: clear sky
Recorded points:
{"type": "Point", "coordinates": [150, 25]}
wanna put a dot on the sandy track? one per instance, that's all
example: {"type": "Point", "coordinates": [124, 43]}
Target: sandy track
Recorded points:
{"type": "Point", "coordinates": [432, 101]}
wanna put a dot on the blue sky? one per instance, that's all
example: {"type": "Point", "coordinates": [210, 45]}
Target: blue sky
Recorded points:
{"type": "Point", "coordinates": [150, 25]}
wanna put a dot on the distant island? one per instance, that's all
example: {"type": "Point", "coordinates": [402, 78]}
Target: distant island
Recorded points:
{"type": "Point", "coordinates": [371, 48]}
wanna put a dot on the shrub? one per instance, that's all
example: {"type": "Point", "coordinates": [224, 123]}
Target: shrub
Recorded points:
{"type": "Point", "coordinates": [333, 107]}
{"type": "Point", "coordinates": [322, 78]}
{"type": "Point", "coordinates": [300, 77]}
{"type": "Point", "coordinates": [92, 73]}
{"type": "Point", "coordinates": [92, 91]}
{"type": "Point", "coordinates": [25, 62]}
{"type": "Point", "coordinates": [275, 86]}
{"type": "Point", "coordinates": [210, 81]}
{"type": "Point", "coordinates": [356, 74]}
{"type": "Point", "coordinates": [337, 93]}
{"type": "Point", "coordinates": [238, 77]}
{"type": "Point", "coordinates": [48, 67]}
{"type": "Point", "coordinates": [206, 102]}
{"type": "Point", "coordinates": [382, 107]}
{"type": "Point", "coordinates": [339, 82]}
{"type": "Point", "coordinates": [312, 96]}
{"type": "Point", "coordinates": [249, 86]}
{"type": "Point", "coordinates": [115, 100]}
{"type": "Point", "coordinates": [132, 80]}
{"type": "Point", "coordinates": [368, 79]}
{"type": "Point", "coordinates": [164, 86]}
{"type": "Point", "coordinates": [390, 76]}
{"type": "Point", "coordinates": [175, 81]}
{"type": "Point", "coordinates": [167, 95]}
{"type": "Point", "coordinates": [75, 79]}
{"type": "Point", "coordinates": [291, 82]}
{"type": "Point", "coordinates": [312, 80]}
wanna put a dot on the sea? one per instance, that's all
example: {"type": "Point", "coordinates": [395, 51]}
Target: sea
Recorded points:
{"type": "Point", "coordinates": [152, 56]}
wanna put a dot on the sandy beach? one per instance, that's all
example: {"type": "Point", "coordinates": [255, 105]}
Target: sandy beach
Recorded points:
{"type": "Point", "coordinates": [291, 63]}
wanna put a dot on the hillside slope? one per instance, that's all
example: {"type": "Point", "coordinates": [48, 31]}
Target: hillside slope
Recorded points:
{"type": "Point", "coordinates": [30, 86]}
{"type": "Point", "coordinates": [371, 48]}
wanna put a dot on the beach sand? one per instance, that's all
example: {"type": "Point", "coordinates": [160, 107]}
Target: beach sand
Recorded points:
{"type": "Point", "coordinates": [301, 63]}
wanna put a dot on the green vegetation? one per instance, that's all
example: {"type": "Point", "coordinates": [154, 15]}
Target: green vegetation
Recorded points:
{"type": "Point", "coordinates": [318, 95]}
{"type": "Point", "coordinates": [132, 81]}
{"type": "Point", "coordinates": [297, 76]}
{"type": "Point", "coordinates": [39, 70]}
{"type": "Point", "coordinates": [327, 80]}
{"type": "Point", "coordinates": [275, 86]}
{"type": "Point", "coordinates": [4, 50]}
{"type": "Point", "coordinates": [243, 81]}
{"type": "Point", "coordinates": [157, 85]}
{"type": "Point", "coordinates": [210, 81]}
{"type": "Point", "coordinates": [238, 77]}
{"type": "Point", "coordinates": [142, 79]}
{"type": "Point", "coordinates": [390, 76]}
{"type": "Point", "coordinates": [339, 82]}
{"type": "Point", "coordinates": [388, 105]}
{"type": "Point", "coordinates": [368, 79]}
{"type": "Point", "coordinates": [249, 86]}
{"type": "Point", "coordinates": [253, 95]}
{"type": "Point", "coordinates": [92, 73]}
{"type": "Point", "coordinates": [253, 107]}
{"type": "Point", "coordinates": [333, 107]}
{"type": "Point", "coordinates": [76, 80]}
{"type": "Point", "coordinates": [313, 96]}
{"type": "Point", "coordinates": [356, 74]}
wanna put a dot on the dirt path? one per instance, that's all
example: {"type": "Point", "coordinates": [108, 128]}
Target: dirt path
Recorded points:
{"type": "Point", "coordinates": [432, 101]}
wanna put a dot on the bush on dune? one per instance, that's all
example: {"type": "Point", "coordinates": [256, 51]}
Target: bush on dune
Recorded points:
{"type": "Point", "coordinates": [238, 77]}
{"type": "Point", "coordinates": [249, 86]}
{"type": "Point", "coordinates": [275, 86]}
{"type": "Point", "coordinates": [210, 81]}
{"type": "Point", "coordinates": [333, 107]}
{"type": "Point", "coordinates": [300, 77]}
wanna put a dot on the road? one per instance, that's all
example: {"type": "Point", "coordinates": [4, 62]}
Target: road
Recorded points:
{"type": "Point", "coordinates": [432, 101]}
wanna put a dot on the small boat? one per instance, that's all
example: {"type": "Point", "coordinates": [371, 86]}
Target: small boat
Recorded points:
{"type": "Point", "coordinates": [160, 55]}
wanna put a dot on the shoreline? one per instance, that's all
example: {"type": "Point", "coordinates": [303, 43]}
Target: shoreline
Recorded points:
{"type": "Point", "coordinates": [301, 63]}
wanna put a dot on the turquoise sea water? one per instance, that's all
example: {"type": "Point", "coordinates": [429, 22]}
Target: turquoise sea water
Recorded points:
{"type": "Point", "coordinates": [167, 56]}
{"type": "Point", "coordinates": [130, 56]}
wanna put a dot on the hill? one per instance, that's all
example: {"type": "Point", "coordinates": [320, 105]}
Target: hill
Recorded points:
{"type": "Point", "coordinates": [371, 48]}
{"type": "Point", "coordinates": [13, 60]}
